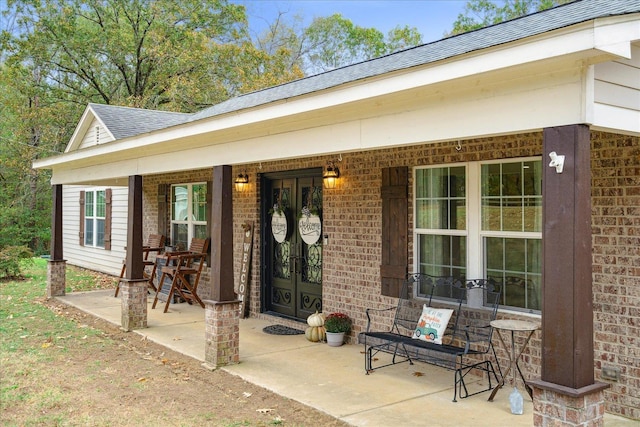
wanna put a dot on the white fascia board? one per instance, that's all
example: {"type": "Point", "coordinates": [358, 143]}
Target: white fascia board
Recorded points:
{"type": "Point", "coordinates": [610, 118]}
{"type": "Point", "coordinates": [80, 130]}
{"type": "Point", "coordinates": [506, 108]}
{"type": "Point", "coordinates": [615, 37]}
{"type": "Point", "coordinates": [577, 39]}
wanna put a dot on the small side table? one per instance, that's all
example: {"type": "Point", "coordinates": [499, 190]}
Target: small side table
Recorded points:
{"type": "Point", "coordinates": [513, 326]}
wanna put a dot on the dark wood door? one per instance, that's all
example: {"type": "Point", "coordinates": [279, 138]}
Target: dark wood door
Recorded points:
{"type": "Point", "coordinates": [293, 266]}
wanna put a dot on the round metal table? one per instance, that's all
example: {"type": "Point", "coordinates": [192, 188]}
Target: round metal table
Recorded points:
{"type": "Point", "coordinates": [513, 326]}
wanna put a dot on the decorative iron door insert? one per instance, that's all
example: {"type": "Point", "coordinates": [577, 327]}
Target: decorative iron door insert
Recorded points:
{"type": "Point", "coordinates": [292, 279]}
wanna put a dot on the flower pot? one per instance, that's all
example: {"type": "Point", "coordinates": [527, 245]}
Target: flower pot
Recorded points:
{"type": "Point", "coordinates": [335, 339]}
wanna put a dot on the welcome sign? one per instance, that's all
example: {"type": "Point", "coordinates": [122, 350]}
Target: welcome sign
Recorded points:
{"type": "Point", "coordinates": [310, 228]}
{"type": "Point", "coordinates": [279, 226]}
{"type": "Point", "coordinates": [243, 287]}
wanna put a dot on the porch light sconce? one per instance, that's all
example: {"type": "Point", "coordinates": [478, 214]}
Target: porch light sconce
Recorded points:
{"type": "Point", "coordinates": [241, 182]}
{"type": "Point", "coordinates": [330, 175]}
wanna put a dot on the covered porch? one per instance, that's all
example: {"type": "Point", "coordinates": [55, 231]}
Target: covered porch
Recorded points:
{"type": "Point", "coordinates": [326, 378]}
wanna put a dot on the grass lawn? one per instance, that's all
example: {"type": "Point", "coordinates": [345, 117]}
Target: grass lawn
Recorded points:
{"type": "Point", "coordinates": [62, 367]}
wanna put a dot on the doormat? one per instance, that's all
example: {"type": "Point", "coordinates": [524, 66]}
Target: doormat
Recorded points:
{"type": "Point", "coordinates": [281, 330]}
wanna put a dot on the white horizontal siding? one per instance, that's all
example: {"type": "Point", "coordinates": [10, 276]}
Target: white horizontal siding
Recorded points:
{"type": "Point", "coordinates": [97, 259]}
{"type": "Point", "coordinates": [96, 134]}
{"type": "Point", "coordinates": [617, 93]}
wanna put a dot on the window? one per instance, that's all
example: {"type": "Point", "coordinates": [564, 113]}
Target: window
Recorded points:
{"type": "Point", "coordinates": [188, 213]}
{"type": "Point", "coordinates": [441, 220]}
{"type": "Point", "coordinates": [95, 212]}
{"type": "Point", "coordinates": [482, 220]}
{"type": "Point", "coordinates": [512, 230]}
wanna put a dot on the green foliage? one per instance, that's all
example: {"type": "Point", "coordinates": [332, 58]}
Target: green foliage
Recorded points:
{"type": "Point", "coordinates": [55, 57]}
{"type": "Point", "coordinates": [11, 259]}
{"type": "Point", "coordinates": [482, 13]}
{"type": "Point", "coordinates": [337, 322]}
{"type": "Point", "coordinates": [334, 41]}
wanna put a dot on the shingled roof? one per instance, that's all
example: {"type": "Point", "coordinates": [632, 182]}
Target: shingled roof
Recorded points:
{"type": "Point", "coordinates": [125, 122]}
{"type": "Point", "coordinates": [505, 32]}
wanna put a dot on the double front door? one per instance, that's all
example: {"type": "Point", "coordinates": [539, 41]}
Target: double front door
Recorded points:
{"type": "Point", "coordinates": [292, 260]}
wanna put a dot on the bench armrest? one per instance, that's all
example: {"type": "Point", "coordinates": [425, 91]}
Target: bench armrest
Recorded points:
{"type": "Point", "coordinates": [374, 311]}
{"type": "Point", "coordinates": [476, 331]}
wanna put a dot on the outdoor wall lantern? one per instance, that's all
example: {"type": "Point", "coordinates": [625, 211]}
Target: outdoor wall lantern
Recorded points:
{"type": "Point", "coordinates": [330, 175]}
{"type": "Point", "coordinates": [242, 182]}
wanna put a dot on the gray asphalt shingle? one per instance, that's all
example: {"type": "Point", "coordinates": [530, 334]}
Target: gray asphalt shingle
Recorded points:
{"type": "Point", "coordinates": [126, 122]}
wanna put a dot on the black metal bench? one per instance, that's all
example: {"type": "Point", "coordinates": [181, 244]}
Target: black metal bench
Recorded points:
{"type": "Point", "coordinates": [466, 344]}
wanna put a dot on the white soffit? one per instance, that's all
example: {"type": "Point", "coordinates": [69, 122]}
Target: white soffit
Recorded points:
{"type": "Point", "coordinates": [576, 44]}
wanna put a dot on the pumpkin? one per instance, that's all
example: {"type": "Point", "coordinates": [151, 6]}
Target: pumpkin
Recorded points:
{"type": "Point", "coordinates": [315, 333]}
{"type": "Point", "coordinates": [315, 319]}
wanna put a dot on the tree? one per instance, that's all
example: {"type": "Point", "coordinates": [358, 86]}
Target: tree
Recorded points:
{"type": "Point", "coordinates": [330, 42]}
{"type": "Point", "coordinates": [334, 41]}
{"type": "Point", "coordinates": [186, 55]}
{"type": "Point", "coordinates": [482, 13]}
{"type": "Point", "coordinates": [58, 56]}
{"type": "Point", "coordinates": [153, 54]}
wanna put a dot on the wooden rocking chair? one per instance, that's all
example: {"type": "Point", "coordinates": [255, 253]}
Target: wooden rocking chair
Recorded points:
{"type": "Point", "coordinates": [179, 267]}
{"type": "Point", "coordinates": [154, 244]}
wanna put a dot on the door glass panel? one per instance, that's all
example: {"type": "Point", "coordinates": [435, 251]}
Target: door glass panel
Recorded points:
{"type": "Point", "coordinates": [282, 250]}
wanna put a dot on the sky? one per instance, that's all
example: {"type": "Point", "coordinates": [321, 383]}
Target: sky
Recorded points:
{"type": "Point", "coordinates": [432, 18]}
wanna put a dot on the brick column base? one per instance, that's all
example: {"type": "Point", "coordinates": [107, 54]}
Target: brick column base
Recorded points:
{"type": "Point", "coordinates": [56, 278]}
{"type": "Point", "coordinates": [222, 333]}
{"type": "Point", "coordinates": [556, 405]}
{"type": "Point", "coordinates": [134, 304]}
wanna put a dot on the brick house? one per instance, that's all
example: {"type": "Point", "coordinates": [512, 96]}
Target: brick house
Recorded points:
{"type": "Point", "coordinates": [443, 154]}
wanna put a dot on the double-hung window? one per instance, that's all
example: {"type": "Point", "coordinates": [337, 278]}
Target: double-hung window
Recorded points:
{"type": "Point", "coordinates": [512, 230]}
{"type": "Point", "coordinates": [95, 211]}
{"type": "Point", "coordinates": [188, 213]}
{"type": "Point", "coordinates": [482, 220]}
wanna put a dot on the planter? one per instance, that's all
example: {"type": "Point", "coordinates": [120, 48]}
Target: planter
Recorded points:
{"type": "Point", "coordinates": [335, 339]}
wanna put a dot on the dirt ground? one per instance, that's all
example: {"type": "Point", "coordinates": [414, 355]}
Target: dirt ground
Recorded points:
{"type": "Point", "coordinates": [113, 378]}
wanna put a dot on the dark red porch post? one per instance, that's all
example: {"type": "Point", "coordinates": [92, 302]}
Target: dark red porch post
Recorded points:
{"type": "Point", "coordinates": [222, 235]}
{"type": "Point", "coordinates": [56, 267]}
{"type": "Point", "coordinates": [567, 305]}
{"type": "Point", "coordinates": [222, 312]}
{"type": "Point", "coordinates": [134, 255]}
{"type": "Point", "coordinates": [134, 285]}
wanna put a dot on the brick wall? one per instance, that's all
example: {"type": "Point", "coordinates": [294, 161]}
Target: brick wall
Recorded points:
{"type": "Point", "coordinates": [615, 167]}
{"type": "Point", "coordinates": [351, 218]}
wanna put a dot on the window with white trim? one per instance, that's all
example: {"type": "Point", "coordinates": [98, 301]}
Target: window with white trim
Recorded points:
{"type": "Point", "coordinates": [95, 212]}
{"type": "Point", "coordinates": [482, 220]}
{"type": "Point", "coordinates": [188, 213]}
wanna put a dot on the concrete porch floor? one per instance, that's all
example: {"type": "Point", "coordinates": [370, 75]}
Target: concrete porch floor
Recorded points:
{"type": "Point", "coordinates": [298, 369]}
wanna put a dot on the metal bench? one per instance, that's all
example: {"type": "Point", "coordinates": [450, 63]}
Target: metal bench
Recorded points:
{"type": "Point", "coordinates": [466, 343]}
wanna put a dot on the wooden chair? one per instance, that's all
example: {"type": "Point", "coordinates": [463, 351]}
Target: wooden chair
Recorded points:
{"type": "Point", "coordinates": [179, 268]}
{"type": "Point", "coordinates": [154, 244]}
